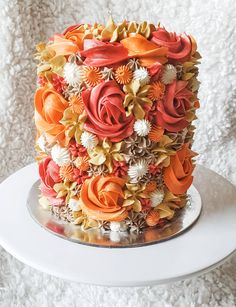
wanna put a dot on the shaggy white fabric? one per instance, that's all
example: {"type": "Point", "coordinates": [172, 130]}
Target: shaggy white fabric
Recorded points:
{"type": "Point", "coordinates": [23, 24]}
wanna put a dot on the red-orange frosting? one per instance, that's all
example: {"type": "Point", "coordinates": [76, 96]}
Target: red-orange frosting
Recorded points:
{"type": "Point", "coordinates": [171, 112]}
{"type": "Point", "coordinates": [105, 112]}
{"type": "Point", "coordinates": [179, 46]}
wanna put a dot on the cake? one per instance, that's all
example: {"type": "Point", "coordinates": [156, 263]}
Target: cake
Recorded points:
{"type": "Point", "coordinates": [114, 111]}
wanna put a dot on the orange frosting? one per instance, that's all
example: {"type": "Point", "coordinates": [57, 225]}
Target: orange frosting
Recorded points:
{"type": "Point", "coordinates": [156, 133]}
{"type": "Point", "coordinates": [178, 175]}
{"type": "Point", "coordinates": [150, 186]}
{"type": "Point", "coordinates": [76, 103]}
{"type": "Point", "coordinates": [101, 198]}
{"type": "Point", "coordinates": [92, 75]}
{"type": "Point", "coordinates": [152, 218]}
{"type": "Point", "coordinates": [146, 51]}
{"type": "Point", "coordinates": [63, 46]}
{"type": "Point", "coordinates": [66, 172]}
{"type": "Point", "coordinates": [49, 108]}
{"type": "Point", "coordinates": [82, 163]}
{"type": "Point", "coordinates": [156, 91]}
{"type": "Point", "coordinates": [123, 74]}
{"type": "Point", "coordinates": [77, 36]}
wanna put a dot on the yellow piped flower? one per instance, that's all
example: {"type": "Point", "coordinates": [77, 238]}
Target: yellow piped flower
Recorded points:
{"type": "Point", "coordinates": [105, 153]}
{"type": "Point", "coordinates": [136, 98]}
{"type": "Point", "coordinates": [92, 75]}
{"type": "Point", "coordinates": [132, 193]}
{"type": "Point", "coordinates": [123, 74]}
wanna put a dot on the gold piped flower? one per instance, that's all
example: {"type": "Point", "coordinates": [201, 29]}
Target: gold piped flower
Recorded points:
{"type": "Point", "coordinates": [123, 74]}
{"type": "Point", "coordinates": [92, 75]}
{"type": "Point", "coordinates": [156, 91]}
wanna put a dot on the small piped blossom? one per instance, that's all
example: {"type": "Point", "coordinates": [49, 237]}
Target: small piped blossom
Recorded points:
{"type": "Point", "coordinates": [77, 150]}
{"type": "Point", "coordinates": [146, 203]}
{"type": "Point", "coordinates": [117, 226]}
{"type": "Point", "coordinates": [156, 91]}
{"type": "Point", "coordinates": [66, 172]}
{"type": "Point", "coordinates": [123, 74]}
{"type": "Point", "coordinates": [82, 163]}
{"type": "Point", "coordinates": [73, 74]}
{"type": "Point", "coordinates": [60, 155]}
{"type": "Point", "coordinates": [120, 168]}
{"type": "Point", "coordinates": [88, 140]}
{"type": "Point", "coordinates": [142, 76]}
{"type": "Point", "coordinates": [142, 127]}
{"type": "Point", "coordinates": [58, 83]}
{"type": "Point", "coordinates": [80, 176]}
{"type": "Point", "coordinates": [138, 170]}
{"type": "Point", "coordinates": [169, 74]}
{"type": "Point", "coordinates": [74, 204]}
{"type": "Point", "coordinates": [154, 169]}
{"type": "Point", "coordinates": [156, 197]}
{"type": "Point", "coordinates": [107, 74]}
{"type": "Point", "coordinates": [153, 218]}
{"type": "Point", "coordinates": [92, 75]}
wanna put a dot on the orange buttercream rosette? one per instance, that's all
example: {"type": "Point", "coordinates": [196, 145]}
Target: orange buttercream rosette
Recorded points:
{"type": "Point", "coordinates": [101, 198]}
{"type": "Point", "coordinates": [49, 109]}
{"type": "Point", "coordinates": [178, 175]}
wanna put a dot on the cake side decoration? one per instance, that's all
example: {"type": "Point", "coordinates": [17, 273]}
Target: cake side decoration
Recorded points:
{"type": "Point", "coordinates": [114, 112]}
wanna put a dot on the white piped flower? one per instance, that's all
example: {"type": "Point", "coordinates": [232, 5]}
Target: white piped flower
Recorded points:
{"type": "Point", "coordinates": [142, 76]}
{"type": "Point", "coordinates": [142, 127]}
{"type": "Point", "coordinates": [88, 140]}
{"type": "Point", "coordinates": [169, 74]}
{"type": "Point", "coordinates": [60, 155]}
{"type": "Point", "coordinates": [73, 74]}
{"type": "Point", "coordinates": [74, 204]}
{"type": "Point", "coordinates": [138, 170]}
{"type": "Point", "coordinates": [156, 197]}
{"type": "Point", "coordinates": [118, 226]}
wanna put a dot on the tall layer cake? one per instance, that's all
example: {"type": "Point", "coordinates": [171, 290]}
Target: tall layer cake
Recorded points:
{"type": "Point", "coordinates": [113, 110]}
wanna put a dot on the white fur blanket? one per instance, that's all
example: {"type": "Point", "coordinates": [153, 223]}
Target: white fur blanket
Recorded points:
{"type": "Point", "coordinates": [23, 24]}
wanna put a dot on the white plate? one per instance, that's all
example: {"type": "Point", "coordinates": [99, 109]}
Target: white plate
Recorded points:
{"type": "Point", "coordinates": [202, 247]}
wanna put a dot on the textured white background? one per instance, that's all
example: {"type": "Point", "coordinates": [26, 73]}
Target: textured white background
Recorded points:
{"type": "Point", "coordinates": [22, 25]}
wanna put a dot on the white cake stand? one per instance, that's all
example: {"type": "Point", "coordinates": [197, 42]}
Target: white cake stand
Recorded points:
{"type": "Point", "coordinates": [204, 246]}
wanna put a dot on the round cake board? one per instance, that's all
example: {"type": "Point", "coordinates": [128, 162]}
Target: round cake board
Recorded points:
{"type": "Point", "coordinates": [202, 247]}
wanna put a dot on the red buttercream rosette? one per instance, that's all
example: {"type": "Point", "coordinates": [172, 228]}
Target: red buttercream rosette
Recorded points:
{"type": "Point", "coordinates": [105, 112]}
{"type": "Point", "coordinates": [180, 47]}
{"type": "Point", "coordinates": [171, 112]}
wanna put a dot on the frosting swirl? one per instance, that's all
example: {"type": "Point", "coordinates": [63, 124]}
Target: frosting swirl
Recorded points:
{"type": "Point", "coordinates": [178, 175]}
{"type": "Point", "coordinates": [179, 47]}
{"type": "Point", "coordinates": [49, 108]}
{"type": "Point", "coordinates": [49, 175]}
{"type": "Point", "coordinates": [171, 112]}
{"type": "Point", "coordinates": [100, 54]}
{"type": "Point", "coordinates": [106, 115]}
{"type": "Point", "coordinates": [101, 198]}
